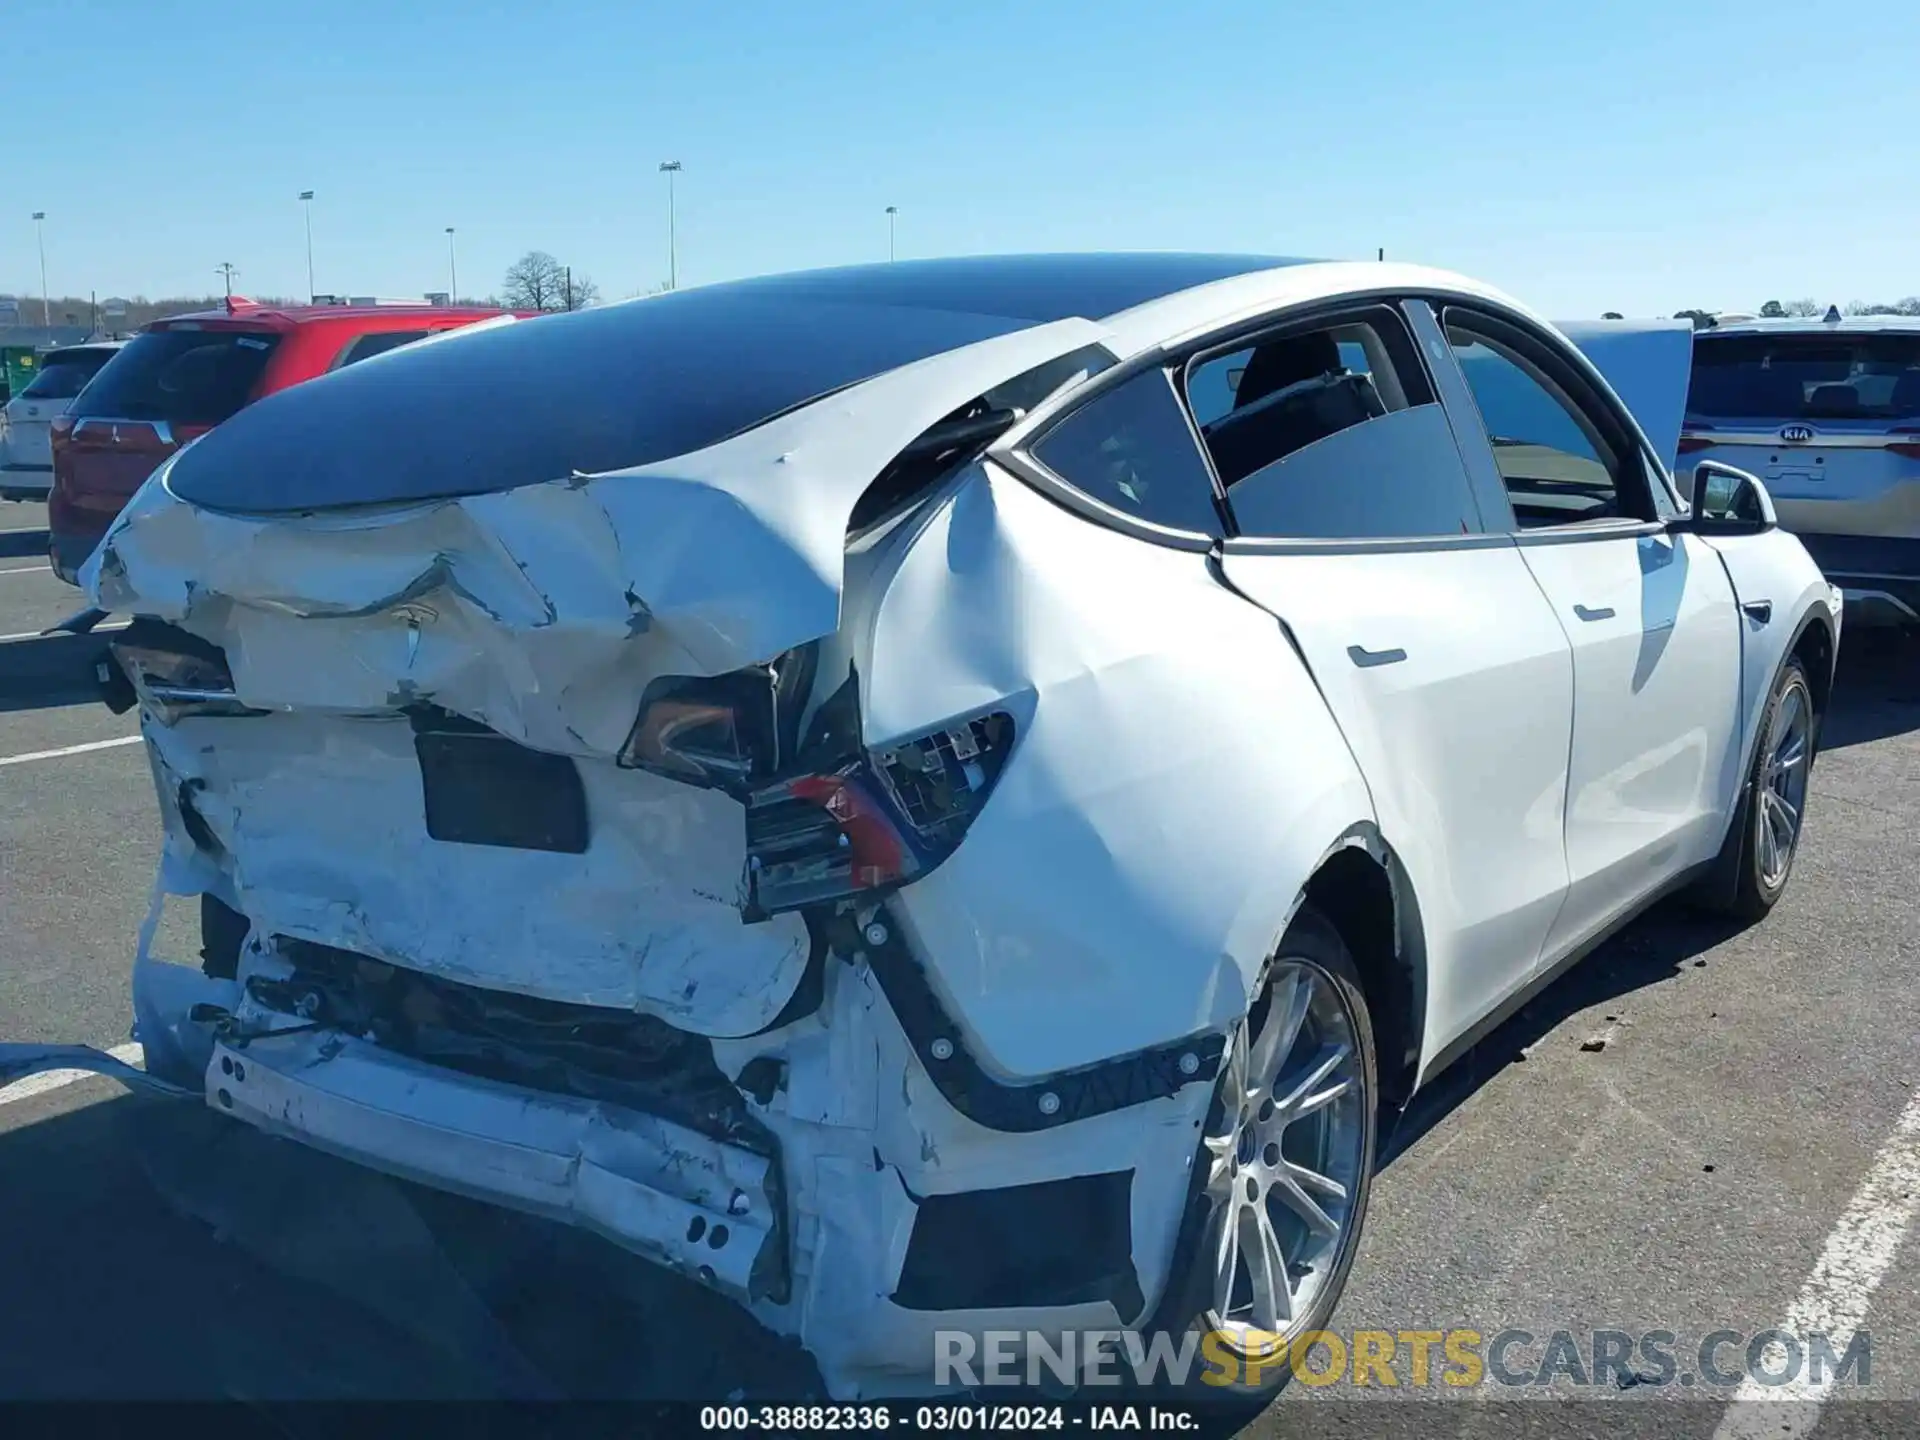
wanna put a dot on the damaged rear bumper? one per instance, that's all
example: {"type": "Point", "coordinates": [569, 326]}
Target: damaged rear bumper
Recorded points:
{"type": "Point", "coordinates": [706, 1209]}
{"type": "Point", "coordinates": [854, 1207]}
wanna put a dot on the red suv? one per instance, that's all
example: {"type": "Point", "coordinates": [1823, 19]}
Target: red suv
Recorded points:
{"type": "Point", "coordinates": [181, 376]}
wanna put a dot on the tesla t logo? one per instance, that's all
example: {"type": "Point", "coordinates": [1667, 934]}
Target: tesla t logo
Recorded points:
{"type": "Point", "coordinates": [1796, 434]}
{"type": "Point", "coordinates": [415, 616]}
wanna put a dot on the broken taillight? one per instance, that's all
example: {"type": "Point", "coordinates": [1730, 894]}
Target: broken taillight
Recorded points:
{"type": "Point", "coordinates": [717, 731]}
{"type": "Point", "coordinates": [880, 821]}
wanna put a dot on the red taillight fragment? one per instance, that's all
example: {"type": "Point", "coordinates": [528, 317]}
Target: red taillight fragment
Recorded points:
{"type": "Point", "coordinates": [877, 855]}
{"type": "Point", "coordinates": [1691, 443]}
{"type": "Point", "coordinates": [1906, 450]}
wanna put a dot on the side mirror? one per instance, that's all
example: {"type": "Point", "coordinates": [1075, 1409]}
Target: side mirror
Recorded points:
{"type": "Point", "coordinates": [1726, 499]}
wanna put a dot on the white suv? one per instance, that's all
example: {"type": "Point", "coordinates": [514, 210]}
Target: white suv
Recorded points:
{"type": "Point", "coordinates": [26, 449]}
{"type": "Point", "coordinates": [1827, 412]}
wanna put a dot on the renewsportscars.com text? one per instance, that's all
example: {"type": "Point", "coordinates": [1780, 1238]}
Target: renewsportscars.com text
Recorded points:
{"type": "Point", "coordinates": [1452, 1358]}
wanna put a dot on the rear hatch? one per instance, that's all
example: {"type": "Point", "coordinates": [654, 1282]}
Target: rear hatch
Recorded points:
{"type": "Point", "coordinates": [437, 696]}
{"type": "Point", "coordinates": [24, 441]}
{"type": "Point", "coordinates": [166, 387]}
{"type": "Point", "coordinates": [1831, 422]}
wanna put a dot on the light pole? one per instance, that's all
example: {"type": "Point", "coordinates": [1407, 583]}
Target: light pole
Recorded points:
{"type": "Point", "coordinates": [893, 213]}
{"type": "Point", "coordinates": [453, 275]}
{"type": "Point", "coordinates": [40, 234]}
{"type": "Point", "coordinates": [228, 270]}
{"type": "Point", "coordinates": [671, 168]}
{"type": "Point", "coordinates": [306, 201]}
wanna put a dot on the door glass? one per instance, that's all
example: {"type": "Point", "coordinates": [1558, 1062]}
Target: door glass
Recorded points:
{"type": "Point", "coordinates": [1556, 467]}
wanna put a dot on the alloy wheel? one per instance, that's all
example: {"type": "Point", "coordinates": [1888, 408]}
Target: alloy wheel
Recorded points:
{"type": "Point", "coordinates": [1286, 1158]}
{"type": "Point", "coordinates": [1783, 787]}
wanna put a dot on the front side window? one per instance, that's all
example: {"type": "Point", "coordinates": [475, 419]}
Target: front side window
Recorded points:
{"type": "Point", "coordinates": [1331, 432]}
{"type": "Point", "coordinates": [1133, 450]}
{"type": "Point", "coordinates": [1557, 463]}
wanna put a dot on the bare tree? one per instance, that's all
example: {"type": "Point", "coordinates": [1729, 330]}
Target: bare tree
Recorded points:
{"type": "Point", "coordinates": [1801, 308]}
{"type": "Point", "coordinates": [1908, 306]}
{"type": "Point", "coordinates": [537, 281]}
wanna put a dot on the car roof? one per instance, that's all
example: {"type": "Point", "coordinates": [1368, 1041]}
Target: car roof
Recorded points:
{"type": "Point", "coordinates": [1035, 288]}
{"type": "Point", "coordinates": [82, 348]}
{"type": "Point", "coordinates": [645, 380]}
{"type": "Point", "coordinates": [1814, 325]}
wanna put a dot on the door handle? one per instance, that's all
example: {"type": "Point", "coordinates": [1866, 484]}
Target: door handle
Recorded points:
{"type": "Point", "coordinates": [1758, 611]}
{"type": "Point", "coordinates": [1605, 613]}
{"type": "Point", "coordinates": [1366, 659]}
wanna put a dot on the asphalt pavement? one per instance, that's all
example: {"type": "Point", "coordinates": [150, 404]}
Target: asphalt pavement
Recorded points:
{"type": "Point", "coordinates": [1697, 1130]}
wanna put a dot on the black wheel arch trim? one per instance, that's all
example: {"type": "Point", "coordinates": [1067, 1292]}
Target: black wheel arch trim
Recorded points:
{"type": "Point", "coordinates": [1029, 1104]}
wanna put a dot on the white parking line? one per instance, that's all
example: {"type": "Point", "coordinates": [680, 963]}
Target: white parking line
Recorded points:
{"type": "Point", "coordinates": [46, 1080]}
{"type": "Point", "coordinates": [1858, 1254]}
{"type": "Point", "coordinates": [41, 569]}
{"type": "Point", "coordinates": [90, 746]}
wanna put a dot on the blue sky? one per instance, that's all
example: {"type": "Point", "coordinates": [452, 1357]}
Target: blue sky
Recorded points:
{"type": "Point", "coordinates": [1637, 155]}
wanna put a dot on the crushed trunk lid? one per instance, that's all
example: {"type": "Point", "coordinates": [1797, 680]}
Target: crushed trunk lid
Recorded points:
{"type": "Point", "coordinates": [541, 610]}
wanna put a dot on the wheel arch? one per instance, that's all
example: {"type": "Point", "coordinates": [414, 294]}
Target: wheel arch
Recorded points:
{"type": "Point", "coordinates": [1363, 890]}
{"type": "Point", "coordinates": [1816, 647]}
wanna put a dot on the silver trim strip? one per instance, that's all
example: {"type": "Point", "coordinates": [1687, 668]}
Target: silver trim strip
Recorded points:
{"type": "Point", "coordinates": [1770, 440]}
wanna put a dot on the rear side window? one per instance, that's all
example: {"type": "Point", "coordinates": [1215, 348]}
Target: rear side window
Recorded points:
{"type": "Point", "coordinates": [1331, 432]}
{"type": "Point", "coordinates": [365, 347]}
{"type": "Point", "coordinates": [181, 377]}
{"type": "Point", "coordinates": [1133, 450]}
{"type": "Point", "coordinates": [65, 376]}
{"type": "Point", "coordinates": [1806, 377]}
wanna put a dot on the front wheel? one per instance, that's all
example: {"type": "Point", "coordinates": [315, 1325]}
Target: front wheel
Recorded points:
{"type": "Point", "coordinates": [1766, 836]}
{"type": "Point", "coordinates": [1283, 1171]}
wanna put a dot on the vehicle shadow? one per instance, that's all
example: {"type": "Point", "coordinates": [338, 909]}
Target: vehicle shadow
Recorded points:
{"type": "Point", "coordinates": [1876, 689]}
{"type": "Point", "coordinates": [1656, 947]}
{"type": "Point", "coordinates": [22, 544]}
{"type": "Point", "coordinates": [172, 1253]}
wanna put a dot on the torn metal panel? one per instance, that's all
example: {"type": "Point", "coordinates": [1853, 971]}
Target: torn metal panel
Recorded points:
{"type": "Point", "coordinates": [703, 1208]}
{"type": "Point", "coordinates": [542, 611]}
{"type": "Point", "coordinates": [320, 824]}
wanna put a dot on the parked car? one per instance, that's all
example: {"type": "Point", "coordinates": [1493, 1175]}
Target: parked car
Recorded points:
{"type": "Point", "coordinates": [941, 796]}
{"type": "Point", "coordinates": [26, 452]}
{"type": "Point", "coordinates": [181, 376]}
{"type": "Point", "coordinates": [1828, 413]}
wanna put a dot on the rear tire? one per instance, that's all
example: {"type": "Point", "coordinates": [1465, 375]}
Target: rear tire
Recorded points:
{"type": "Point", "coordinates": [1300, 1072]}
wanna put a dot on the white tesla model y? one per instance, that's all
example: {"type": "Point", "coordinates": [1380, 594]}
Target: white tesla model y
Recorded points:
{"type": "Point", "coordinates": [945, 796]}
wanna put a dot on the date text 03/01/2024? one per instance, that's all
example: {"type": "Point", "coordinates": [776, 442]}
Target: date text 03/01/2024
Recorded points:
{"type": "Point", "coordinates": [944, 1417]}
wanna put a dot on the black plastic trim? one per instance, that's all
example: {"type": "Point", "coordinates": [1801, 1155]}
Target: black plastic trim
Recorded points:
{"type": "Point", "coordinates": [1049, 1243]}
{"type": "Point", "coordinates": [1024, 1106]}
